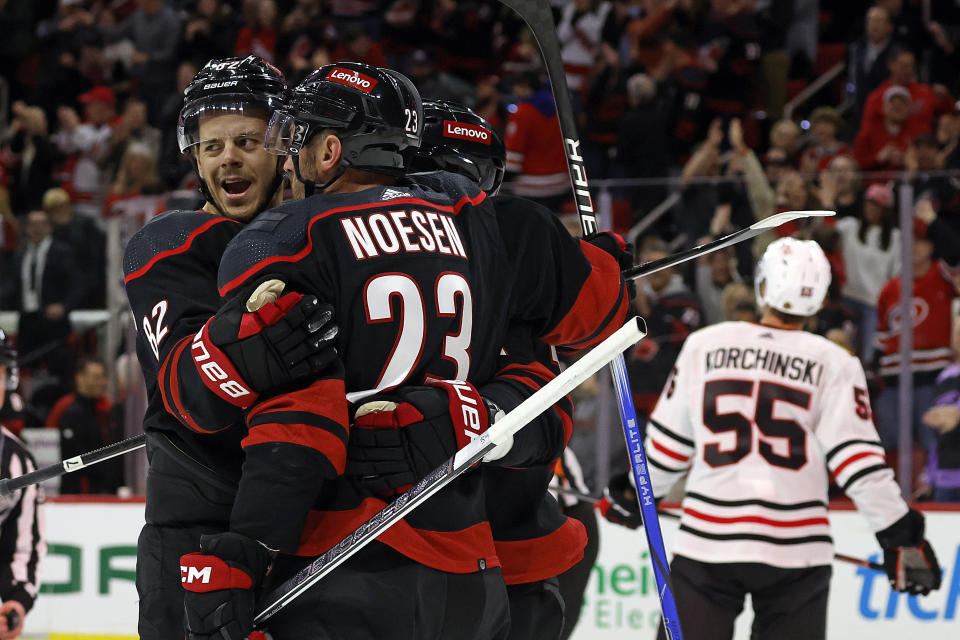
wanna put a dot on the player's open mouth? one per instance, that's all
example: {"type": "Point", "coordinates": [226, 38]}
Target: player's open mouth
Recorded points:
{"type": "Point", "coordinates": [235, 189]}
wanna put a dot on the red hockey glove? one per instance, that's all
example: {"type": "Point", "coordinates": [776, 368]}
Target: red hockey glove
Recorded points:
{"type": "Point", "coordinates": [242, 353]}
{"type": "Point", "coordinates": [619, 502]}
{"type": "Point", "coordinates": [908, 559]}
{"type": "Point", "coordinates": [399, 437]}
{"type": "Point", "coordinates": [219, 583]}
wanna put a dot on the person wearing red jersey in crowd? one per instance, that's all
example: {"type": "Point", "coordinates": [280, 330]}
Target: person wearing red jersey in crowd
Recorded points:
{"type": "Point", "coordinates": [882, 145]}
{"type": "Point", "coordinates": [932, 295]}
{"type": "Point", "coordinates": [83, 142]}
{"type": "Point", "coordinates": [825, 125]}
{"type": "Point", "coordinates": [535, 156]}
{"type": "Point", "coordinates": [926, 102]}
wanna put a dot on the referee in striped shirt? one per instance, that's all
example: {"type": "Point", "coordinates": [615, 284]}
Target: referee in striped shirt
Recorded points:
{"type": "Point", "coordinates": [22, 531]}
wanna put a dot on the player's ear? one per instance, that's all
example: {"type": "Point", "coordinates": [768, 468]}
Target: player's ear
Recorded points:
{"type": "Point", "coordinates": [331, 151]}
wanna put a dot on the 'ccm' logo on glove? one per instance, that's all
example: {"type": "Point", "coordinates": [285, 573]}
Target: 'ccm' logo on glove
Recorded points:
{"type": "Point", "coordinates": [201, 573]}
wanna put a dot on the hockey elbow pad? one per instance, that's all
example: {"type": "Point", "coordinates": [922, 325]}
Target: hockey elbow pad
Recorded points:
{"type": "Point", "coordinates": [264, 343]}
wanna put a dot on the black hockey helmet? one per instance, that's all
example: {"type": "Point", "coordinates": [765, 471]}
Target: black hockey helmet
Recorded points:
{"type": "Point", "coordinates": [376, 113]}
{"type": "Point", "coordinates": [458, 140]}
{"type": "Point", "coordinates": [8, 359]}
{"type": "Point", "coordinates": [248, 86]}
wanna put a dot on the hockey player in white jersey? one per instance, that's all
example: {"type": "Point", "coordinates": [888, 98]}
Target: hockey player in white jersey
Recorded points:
{"type": "Point", "coordinates": [762, 416]}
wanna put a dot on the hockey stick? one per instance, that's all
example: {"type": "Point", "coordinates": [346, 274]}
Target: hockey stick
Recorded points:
{"type": "Point", "coordinates": [752, 231]}
{"type": "Point", "coordinates": [676, 516]}
{"type": "Point", "coordinates": [539, 18]}
{"type": "Point", "coordinates": [548, 395]}
{"type": "Point", "coordinates": [9, 485]}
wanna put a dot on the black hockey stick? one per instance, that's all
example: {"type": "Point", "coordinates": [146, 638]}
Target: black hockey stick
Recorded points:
{"type": "Point", "coordinates": [860, 562]}
{"type": "Point", "coordinates": [9, 485]}
{"type": "Point", "coordinates": [551, 393]}
{"type": "Point", "coordinates": [539, 18]}
{"type": "Point", "coordinates": [752, 231]}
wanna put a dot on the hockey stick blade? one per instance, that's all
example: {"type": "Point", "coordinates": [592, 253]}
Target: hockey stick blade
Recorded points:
{"type": "Point", "coordinates": [752, 231]}
{"type": "Point", "coordinates": [501, 431]}
{"type": "Point", "coordinates": [9, 485]}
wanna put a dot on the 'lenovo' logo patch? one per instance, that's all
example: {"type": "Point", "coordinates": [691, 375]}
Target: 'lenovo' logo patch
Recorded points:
{"type": "Point", "coordinates": [465, 131]}
{"type": "Point", "coordinates": [353, 79]}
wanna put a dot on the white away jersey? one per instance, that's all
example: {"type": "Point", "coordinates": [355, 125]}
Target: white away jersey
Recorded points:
{"type": "Point", "coordinates": [760, 416]}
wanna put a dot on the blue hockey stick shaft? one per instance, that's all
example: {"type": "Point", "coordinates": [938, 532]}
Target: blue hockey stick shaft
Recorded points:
{"type": "Point", "coordinates": [538, 16]}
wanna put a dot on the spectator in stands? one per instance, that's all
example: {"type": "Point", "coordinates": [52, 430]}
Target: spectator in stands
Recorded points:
{"type": "Point", "coordinates": [86, 240]}
{"type": "Point", "coordinates": [580, 31]}
{"type": "Point", "coordinates": [85, 424]}
{"type": "Point", "coordinates": [175, 167]}
{"type": "Point", "coordinates": [131, 128]}
{"type": "Point", "coordinates": [926, 103]}
{"type": "Point", "coordinates": [867, 61]}
{"type": "Point", "coordinates": [536, 164]}
{"type": "Point", "coordinates": [825, 125]}
{"type": "Point", "coordinates": [944, 417]}
{"type": "Point", "coordinates": [714, 272]}
{"type": "Point", "coordinates": [731, 34]}
{"type": "Point", "coordinates": [154, 31]}
{"type": "Point", "coordinates": [137, 177]}
{"type": "Point", "coordinates": [933, 290]}
{"type": "Point", "coordinates": [434, 84]}
{"type": "Point", "coordinates": [739, 303]}
{"type": "Point", "coordinates": [23, 543]}
{"type": "Point", "coordinates": [883, 146]}
{"type": "Point", "coordinates": [29, 157]}
{"type": "Point", "coordinates": [924, 162]}
{"type": "Point", "coordinates": [84, 142]}
{"type": "Point", "coordinates": [643, 140]}
{"type": "Point", "coordinates": [43, 288]}
{"type": "Point", "coordinates": [209, 32]}
{"type": "Point", "coordinates": [840, 187]}
{"type": "Point", "coordinates": [870, 246]}
{"type": "Point", "coordinates": [645, 32]}
{"type": "Point", "coordinates": [605, 102]}
{"type": "Point", "coordinates": [795, 193]}
{"type": "Point", "coordinates": [785, 136]}
{"type": "Point", "coordinates": [259, 36]}
{"type": "Point", "coordinates": [663, 299]}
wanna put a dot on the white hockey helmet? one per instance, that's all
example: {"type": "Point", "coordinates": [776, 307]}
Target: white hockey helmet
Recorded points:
{"type": "Point", "coordinates": [794, 276]}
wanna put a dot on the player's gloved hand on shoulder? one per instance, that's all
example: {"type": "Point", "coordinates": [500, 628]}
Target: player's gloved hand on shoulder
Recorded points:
{"type": "Point", "coordinates": [619, 502]}
{"type": "Point", "coordinates": [908, 558]}
{"type": "Point", "coordinates": [399, 437]}
{"type": "Point", "coordinates": [220, 581]}
{"type": "Point", "coordinates": [264, 342]}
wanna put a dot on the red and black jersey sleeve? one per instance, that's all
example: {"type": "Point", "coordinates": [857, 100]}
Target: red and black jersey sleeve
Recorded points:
{"type": "Point", "coordinates": [569, 291]}
{"type": "Point", "coordinates": [526, 365]}
{"type": "Point", "coordinates": [170, 274]}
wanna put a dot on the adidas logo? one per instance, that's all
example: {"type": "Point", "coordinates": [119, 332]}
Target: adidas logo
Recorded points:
{"type": "Point", "coordinates": [392, 194]}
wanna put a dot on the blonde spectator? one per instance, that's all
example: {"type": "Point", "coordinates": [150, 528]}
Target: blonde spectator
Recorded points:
{"type": "Point", "coordinates": [137, 176]}
{"type": "Point", "coordinates": [785, 135]}
{"type": "Point", "coordinates": [738, 302]}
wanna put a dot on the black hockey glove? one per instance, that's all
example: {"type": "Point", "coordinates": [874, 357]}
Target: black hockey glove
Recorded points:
{"type": "Point", "coordinates": [619, 502]}
{"type": "Point", "coordinates": [264, 343]}
{"type": "Point", "coordinates": [399, 437]}
{"type": "Point", "coordinates": [908, 559]}
{"type": "Point", "coordinates": [220, 581]}
{"type": "Point", "coordinates": [619, 248]}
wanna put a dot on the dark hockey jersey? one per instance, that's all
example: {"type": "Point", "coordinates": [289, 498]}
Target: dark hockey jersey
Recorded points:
{"type": "Point", "coordinates": [424, 279]}
{"type": "Point", "coordinates": [170, 268]}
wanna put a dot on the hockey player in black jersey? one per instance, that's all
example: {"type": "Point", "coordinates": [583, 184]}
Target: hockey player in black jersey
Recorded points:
{"type": "Point", "coordinates": [195, 394]}
{"type": "Point", "coordinates": [535, 540]}
{"type": "Point", "coordinates": [425, 279]}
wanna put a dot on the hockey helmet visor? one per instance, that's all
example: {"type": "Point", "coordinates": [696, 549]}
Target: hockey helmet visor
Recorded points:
{"type": "Point", "coordinates": [241, 104]}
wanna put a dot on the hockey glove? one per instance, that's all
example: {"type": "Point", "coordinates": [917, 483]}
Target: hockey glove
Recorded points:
{"type": "Point", "coordinates": [264, 343]}
{"type": "Point", "coordinates": [619, 502]}
{"type": "Point", "coordinates": [219, 583]}
{"type": "Point", "coordinates": [619, 248]}
{"type": "Point", "coordinates": [399, 437]}
{"type": "Point", "coordinates": [908, 559]}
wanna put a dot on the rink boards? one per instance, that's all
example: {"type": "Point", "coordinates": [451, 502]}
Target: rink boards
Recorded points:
{"type": "Point", "coordinates": [89, 590]}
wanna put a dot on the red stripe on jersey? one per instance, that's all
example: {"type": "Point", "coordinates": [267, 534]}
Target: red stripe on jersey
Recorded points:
{"type": "Point", "coordinates": [451, 551]}
{"type": "Point", "coordinates": [325, 398]}
{"type": "Point", "coordinates": [169, 374]}
{"type": "Point", "coordinates": [669, 452]}
{"type": "Point", "coordinates": [305, 435]}
{"type": "Point", "coordinates": [805, 522]}
{"type": "Point", "coordinates": [597, 298]}
{"type": "Point", "coordinates": [854, 458]}
{"type": "Point", "coordinates": [541, 558]}
{"type": "Point", "coordinates": [184, 247]}
{"type": "Point", "coordinates": [296, 257]}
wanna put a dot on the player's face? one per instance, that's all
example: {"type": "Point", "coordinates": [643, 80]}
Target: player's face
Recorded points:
{"type": "Point", "coordinates": [320, 158]}
{"type": "Point", "coordinates": [299, 192]}
{"type": "Point", "coordinates": [237, 169]}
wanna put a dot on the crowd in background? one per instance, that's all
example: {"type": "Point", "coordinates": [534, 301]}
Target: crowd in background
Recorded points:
{"type": "Point", "coordinates": [692, 99]}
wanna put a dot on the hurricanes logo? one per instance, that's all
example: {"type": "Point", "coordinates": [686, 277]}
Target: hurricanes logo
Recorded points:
{"type": "Point", "coordinates": [465, 131]}
{"type": "Point", "coordinates": [353, 79]}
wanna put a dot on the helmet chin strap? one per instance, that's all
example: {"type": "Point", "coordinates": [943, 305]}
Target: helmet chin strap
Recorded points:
{"type": "Point", "coordinates": [309, 186]}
